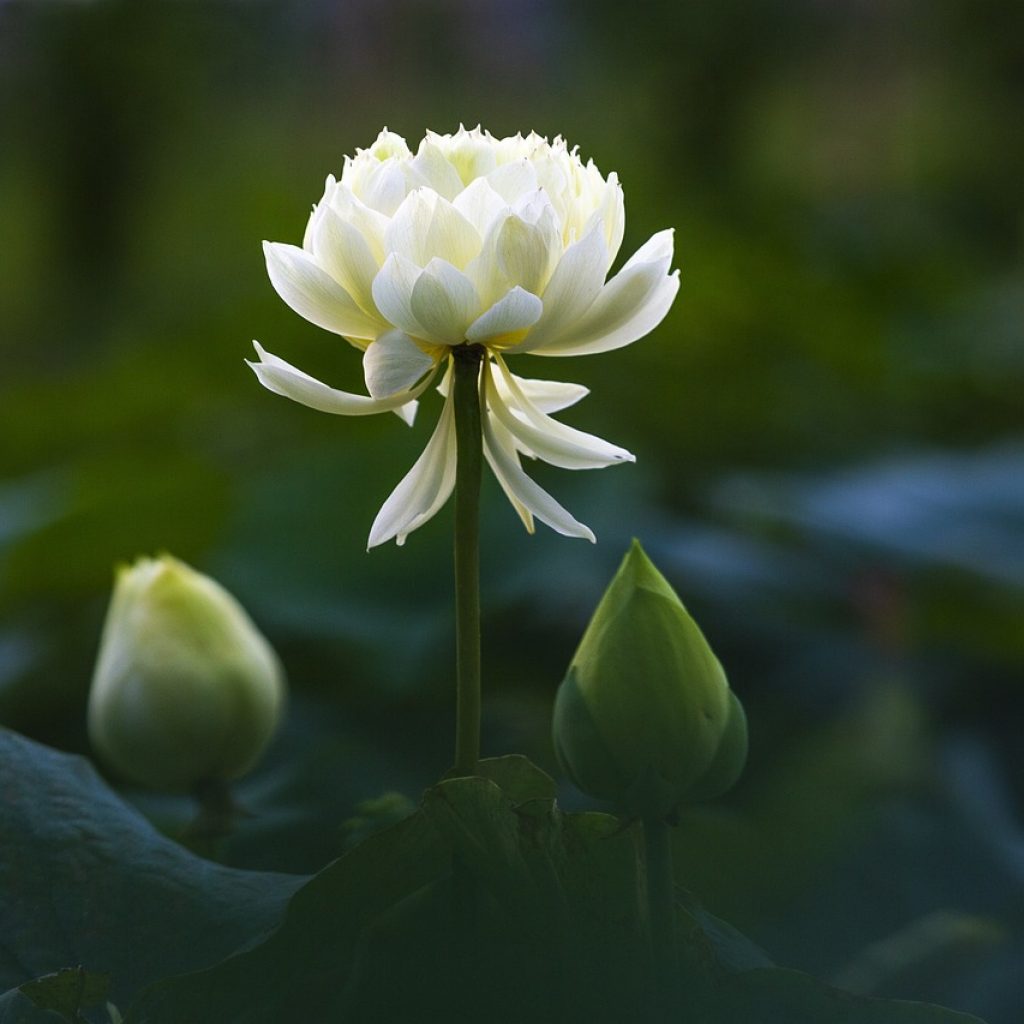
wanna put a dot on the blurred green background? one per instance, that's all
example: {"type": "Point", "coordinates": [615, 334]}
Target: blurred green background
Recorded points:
{"type": "Point", "coordinates": [828, 425]}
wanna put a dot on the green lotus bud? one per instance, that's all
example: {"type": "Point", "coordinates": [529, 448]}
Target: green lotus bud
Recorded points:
{"type": "Point", "coordinates": [186, 690]}
{"type": "Point", "coordinates": [645, 717]}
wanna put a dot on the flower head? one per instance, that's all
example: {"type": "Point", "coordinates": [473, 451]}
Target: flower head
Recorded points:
{"type": "Point", "coordinates": [501, 243]}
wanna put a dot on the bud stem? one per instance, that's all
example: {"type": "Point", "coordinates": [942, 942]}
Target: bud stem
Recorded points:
{"type": "Point", "coordinates": [661, 906]}
{"type": "Point", "coordinates": [215, 819]}
{"type": "Point", "coordinates": [468, 471]}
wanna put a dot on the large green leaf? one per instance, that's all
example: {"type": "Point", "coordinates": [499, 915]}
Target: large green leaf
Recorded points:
{"type": "Point", "coordinates": [86, 880]}
{"type": "Point", "coordinates": [481, 896]}
{"type": "Point", "coordinates": [305, 963]}
{"type": "Point", "coordinates": [490, 903]}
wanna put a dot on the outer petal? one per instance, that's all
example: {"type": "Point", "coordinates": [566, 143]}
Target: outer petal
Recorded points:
{"type": "Point", "coordinates": [574, 285]}
{"type": "Point", "coordinates": [384, 188]}
{"type": "Point", "coordinates": [314, 294]}
{"type": "Point", "coordinates": [483, 270]}
{"type": "Point", "coordinates": [330, 187]}
{"type": "Point", "coordinates": [436, 171]}
{"type": "Point", "coordinates": [393, 363]}
{"type": "Point", "coordinates": [424, 489]}
{"type": "Point", "coordinates": [516, 312]}
{"type": "Point", "coordinates": [526, 252]}
{"type": "Point", "coordinates": [343, 252]}
{"type": "Point", "coordinates": [284, 379]}
{"type": "Point", "coordinates": [445, 302]}
{"type": "Point", "coordinates": [554, 442]}
{"type": "Point", "coordinates": [480, 205]}
{"type": "Point", "coordinates": [511, 180]}
{"type": "Point", "coordinates": [630, 305]}
{"type": "Point", "coordinates": [525, 493]}
{"type": "Point", "coordinates": [611, 214]}
{"type": "Point", "coordinates": [427, 225]}
{"type": "Point", "coordinates": [392, 292]}
{"type": "Point", "coordinates": [370, 224]}
{"type": "Point", "coordinates": [657, 249]}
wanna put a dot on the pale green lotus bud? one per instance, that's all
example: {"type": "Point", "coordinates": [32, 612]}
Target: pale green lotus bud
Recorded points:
{"type": "Point", "coordinates": [186, 691]}
{"type": "Point", "coordinates": [645, 717]}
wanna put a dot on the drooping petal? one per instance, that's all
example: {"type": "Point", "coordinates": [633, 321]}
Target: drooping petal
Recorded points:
{"type": "Point", "coordinates": [630, 305]}
{"type": "Point", "coordinates": [501, 438]}
{"type": "Point", "coordinates": [424, 489]}
{"type": "Point", "coordinates": [554, 442]}
{"type": "Point", "coordinates": [575, 284]}
{"type": "Point", "coordinates": [284, 379]}
{"type": "Point", "coordinates": [517, 311]}
{"type": "Point", "coordinates": [392, 293]}
{"type": "Point", "coordinates": [523, 492]}
{"type": "Point", "coordinates": [546, 395]}
{"type": "Point", "coordinates": [315, 295]}
{"type": "Point", "coordinates": [393, 363]}
{"type": "Point", "coordinates": [343, 252]}
{"type": "Point", "coordinates": [444, 302]}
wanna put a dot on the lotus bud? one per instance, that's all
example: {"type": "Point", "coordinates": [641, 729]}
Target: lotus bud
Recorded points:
{"type": "Point", "coordinates": [186, 692]}
{"type": "Point", "coordinates": [645, 717]}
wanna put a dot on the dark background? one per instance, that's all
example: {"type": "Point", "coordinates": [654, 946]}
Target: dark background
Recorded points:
{"type": "Point", "coordinates": [828, 424]}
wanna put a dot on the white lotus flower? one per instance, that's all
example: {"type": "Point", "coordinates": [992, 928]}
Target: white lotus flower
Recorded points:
{"type": "Point", "coordinates": [501, 243]}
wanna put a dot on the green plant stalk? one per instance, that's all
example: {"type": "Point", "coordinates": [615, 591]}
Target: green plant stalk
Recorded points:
{"type": "Point", "coordinates": [468, 471]}
{"type": "Point", "coordinates": [661, 906]}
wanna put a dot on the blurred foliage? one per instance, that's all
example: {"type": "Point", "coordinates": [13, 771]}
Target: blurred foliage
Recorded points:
{"type": "Point", "coordinates": [828, 424]}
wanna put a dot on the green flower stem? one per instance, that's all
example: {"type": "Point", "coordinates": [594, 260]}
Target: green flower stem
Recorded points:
{"type": "Point", "coordinates": [469, 467]}
{"type": "Point", "coordinates": [661, 905]}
